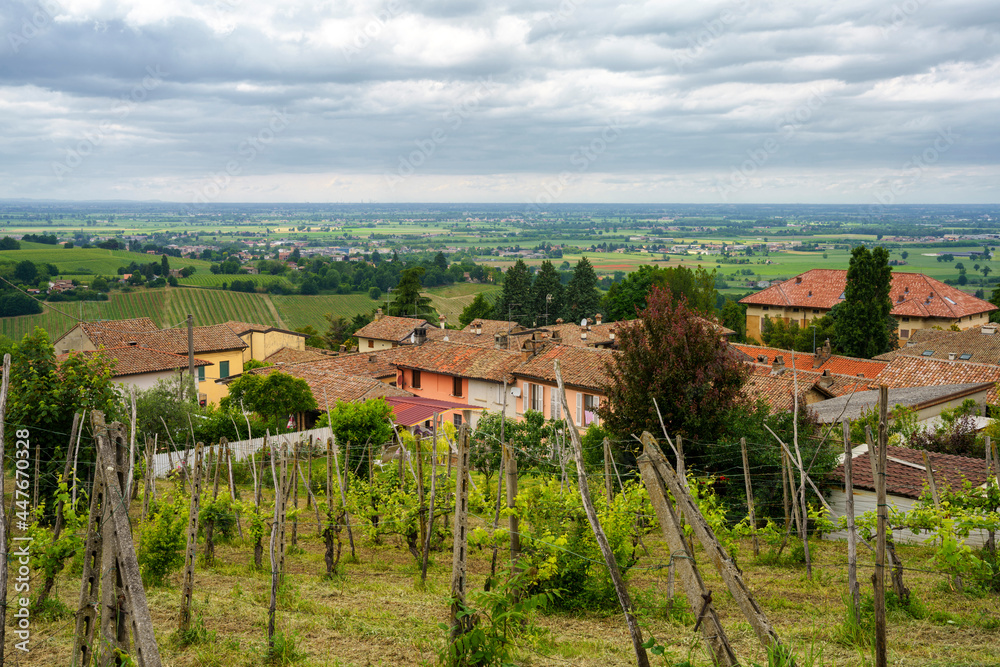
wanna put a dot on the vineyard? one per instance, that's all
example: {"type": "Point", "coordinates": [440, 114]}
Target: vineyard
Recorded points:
{"type": "Point", "coordinates": [298, 311]}
{"type": "Point", "coordinates": [450, 301]}
{"type": "Point", "coordinates": [92, 261]}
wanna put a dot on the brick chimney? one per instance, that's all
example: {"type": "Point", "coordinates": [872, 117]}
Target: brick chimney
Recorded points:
{"type": "Point", "coordinates": [378, 314]}
{"type": "Point", "coordinates": [559, 320]}
{"type": "Point", "coordinates": [419, 336]}
{"type": "Point", "coordinates": [500, 341]}
{"type": "Point", "coordinates": [529, 348]}
{"type": "Point", "coordinates": [822, 354]}
{"type": "Point", "coordinates": [597, 319]}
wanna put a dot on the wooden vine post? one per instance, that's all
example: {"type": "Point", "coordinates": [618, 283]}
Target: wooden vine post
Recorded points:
{"type": "Point", "coordinates": [883, 522]}
{"type": "Point", "coordinates": [608, 485]}
{"type": "Point", "coordinates": [343, 498]}
{"type": "Point", "coordinates": [190, 552]}
{"type": "Point", "coordinates": [108, 502]}
{"type": "Point", "coordinates": [430, 519]}
{"type": "Point", "coordinates": [513, 524]}
{"type": "Point", "coordinates": [460, 624]}
{"type": "Point", "coordinates": [852, 536]}
{"type": "Point", "coordinates": [642, 659]}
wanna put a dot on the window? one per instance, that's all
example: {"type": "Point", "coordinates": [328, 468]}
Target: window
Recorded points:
{"type": "Point", "coordinates": [201, 373]}
{"type": "Point", "coordinates": [415, 383]}
{"type": "Point", "coordinates": [965, 356]}
{"type": "Point", "coordinates": [371, 342]}
{"type": "Point", "coordinates": [536, 393]}
{"type": "Point", "coordinates": [795, 310]}
{"type": "Point", "coordinates": [906, 319]}
{"type": "Point", "coordinates": [456, 388]}
{"type": "Point", "coordinates": [904, 333]}
{"type": "Point", "coordinates": [458, 420]}
{"type": "Point", "coordinates": [765, 307]}
{"type": "Point", "coordinates": [927, 353]}
{"type": "Point", "coordinates": [589, 409]}
{"type": "Point", "coordinates": [223, 369]}
{"type": "Point", "coordinates": [555, 404]}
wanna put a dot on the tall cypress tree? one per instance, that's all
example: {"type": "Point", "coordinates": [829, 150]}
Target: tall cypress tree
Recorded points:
{"type": "Point", "coordinates": [582, 296]}
{"type": "Point", "coordinates": [547, 283]}
{"type": "Point", "coordinates": [515, 299]}
{"type": "Point", "coordinates": [864, 323]}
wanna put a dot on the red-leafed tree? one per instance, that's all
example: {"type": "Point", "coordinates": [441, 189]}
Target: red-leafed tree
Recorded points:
{"type": "Point", "coordinates": [672, 355]}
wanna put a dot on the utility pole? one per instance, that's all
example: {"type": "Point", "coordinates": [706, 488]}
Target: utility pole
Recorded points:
{"type": "Point", "coordinates": [190, 320]}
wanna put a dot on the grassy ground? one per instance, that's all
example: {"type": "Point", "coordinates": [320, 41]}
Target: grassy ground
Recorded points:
{"type": "Point", "coordinates": [376, 613]}
{"type": "Point", "coordinates": [451, 300]}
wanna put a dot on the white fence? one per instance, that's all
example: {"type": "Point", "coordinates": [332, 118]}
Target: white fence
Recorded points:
{"type": "Point", "coordinates": [240, 450]}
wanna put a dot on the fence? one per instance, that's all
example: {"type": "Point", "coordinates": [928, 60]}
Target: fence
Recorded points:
{"type": "Point", "coordinates": [240, 450]}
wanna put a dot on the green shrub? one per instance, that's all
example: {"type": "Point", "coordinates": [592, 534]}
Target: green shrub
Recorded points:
{"type": "Point", "coordinates": [161, 548]}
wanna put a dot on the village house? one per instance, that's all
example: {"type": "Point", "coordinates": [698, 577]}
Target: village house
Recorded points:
{"type": "Point", "coordinates": [262, 341]}
{"type": "Point", "coordinates": [141, 367]}
{"type": "Point", "coordinates": [918, 302]}
{"type": "Point", "coordinates": [388, 331]}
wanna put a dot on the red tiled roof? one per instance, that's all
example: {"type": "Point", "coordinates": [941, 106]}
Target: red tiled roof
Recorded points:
{"type": "Point", "coordinates": [391, 328]}
{"type": "Point", "coordinates": [135, 360]}
{"type": "Point", "coordinates": [212, 338]}
{"type": "Point", "coordinates": [332, 385]}
{"type": "Point", "coordinates": [491, 327]}
{"type": "Point", "coordinates": [776, 390]}
{"type": "Point", "coordinates": [979, 344]}
{"type": "Point", "coordinates": [461, 360]}
{"type": "Point", "coordinates": [912, 294]}
{"type": "Point", "coordinates": [925, 371]}
{"type": "Point", "coordinates": [910, 481]}
{"type": "Point", "coordinates": [412, 410]}
{"type": "Point", "coordinates": [112, 333]}
{"type": "Point", "coordinates": [376, 364]}
{"type": "Point", "coordinates": [581, 366]}
{"type": "Point", "coordinates": [804, 361]}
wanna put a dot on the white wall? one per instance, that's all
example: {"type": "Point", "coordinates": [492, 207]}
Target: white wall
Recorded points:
{"type": "Point", "coordinates": [483, 394]}
{"type": "Point", "coordinates": [864, 501]}
{"type": "Point", "coordinates": [144, 381]}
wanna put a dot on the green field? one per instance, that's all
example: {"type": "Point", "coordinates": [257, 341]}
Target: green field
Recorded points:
{"type": "Point", "coordinates": [92, 261]}
{"type": "Point", "coordinates": [298, 311]}
{"type": "Point", "coordinates": [451, 300]}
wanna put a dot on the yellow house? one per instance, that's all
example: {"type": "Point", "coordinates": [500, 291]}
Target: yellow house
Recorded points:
{"type": "Point", "coordinates": [263, 341]}
{"type": "Point", "coordinates": [918, 302]}
{"type": "Point", "coordinates": [216, 344]}
{"type": "Point", "coordinates": [388, 331]}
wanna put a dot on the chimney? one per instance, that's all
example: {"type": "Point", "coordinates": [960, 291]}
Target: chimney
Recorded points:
{"type": "Point", "coordinates": [555, 335]}
{"type": "Point", "coordinates": [798, 280]}
{"type": "Point", "coordinates": [500, 341]}
{"type": "Point", "coordinates": [778, 367]}
{"type": "Point", "coordinates": [372, 358]}
{"type": "Point", "coordinates": [822, 354]}
{"type": "Point", "coordinates": [597, 319]}
{"type": "Point", "coordinates": [378, 314]}
{"type": "Point", "coordinates": [951, 356]}
{"type": "Point", "coordinates": [441, 319]}
{"type": "Point", "coordinates": [583, 333]}
{"type": "Point", "coordinates": [559, 320]}
{"type": "Point", "coordinates": [477, 327]}
{"type": "Point", "coordinates": [343, 348]}
{"type": "Point", "coordinates": [419, 336]}
{"type": "Point", "coordinates": [528, 349]}
{"type": "Point", "coordinates": [826, 381]}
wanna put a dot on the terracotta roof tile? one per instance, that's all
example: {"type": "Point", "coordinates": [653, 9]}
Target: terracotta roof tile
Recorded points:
{"type": "Point", "coordinates": [462, 360]}
{"type": "Point", "coordinates": [377, 364]}
{"type": "Point", "coordinates": [240, 328]}
{"type": "Point", "coordinates": [581, 366]}
{"type": "Point", "coordinates": [912, 294]}
{"type": "Point", "coordinates": [135, 360]}
{"type": "Point", "coordinates": [977, 344]}
{"type": "Point", "coordinates": [111, 333]}
{"type": "Point", "coordinates": [836, 363]}
{"type": "Point", "coordinates": [909, 481]}
{"type": "Point", "coordinates": [212, 338]}
{"type": "Point", "coordinates": [491, 327]}
{"type": "Point", "coordinates": [391, 328]}
{"type": "Point", "coordinates": [333, 385]}
{"type": "Point", "coordinates": [906, 371]}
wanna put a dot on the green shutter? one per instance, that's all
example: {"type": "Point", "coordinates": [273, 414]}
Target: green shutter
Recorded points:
{"type": "Point", "coordinates": [223, 369]}
{"type": "Point", "coordinates": [201, 373]}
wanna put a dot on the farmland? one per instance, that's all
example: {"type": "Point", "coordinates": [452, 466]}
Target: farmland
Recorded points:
{"type": "Point", "coordinates": [218, 280]}
{"type": "Point", "coordinates": [91, 261]}
{"type": "Point", "coordinates": [298, 311]}
{"type": "Point", "coordinates": [451, 300]}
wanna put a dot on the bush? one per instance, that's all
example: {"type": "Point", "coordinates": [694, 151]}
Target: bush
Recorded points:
{"type": "Point", "coordinates": [161, 549]}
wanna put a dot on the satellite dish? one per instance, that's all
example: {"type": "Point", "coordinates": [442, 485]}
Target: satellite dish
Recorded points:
{"type": "Point", "coordinates": [583, 322]}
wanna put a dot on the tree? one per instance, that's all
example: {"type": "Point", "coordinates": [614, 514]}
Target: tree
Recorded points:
{"type": "Point", "coordinates": [374, 293]}
{"type": "Point", "coordinates": [985, 271]}
{"type": "Point", "coordinates": [274, 396]}
{"type": "Point", "coordinates": [904, 254]}
{"type": "Point", "coordinates": [309, 286]}
{"type": "Point", "coordinates": [7, 243]}
{"type": "Point", "coordinates": [734, 316]}
{"type": "Point", "coordinates": [865, 326]}
{"type": "Point", "coordinates": [626, 298]}
{"type": "Point", "coordinates": [164, 266]}
{"type": "Point", "coordinates": [670, 355]}
{"type": "Point", "coordinates": [547, 294]}
{"type": "Point", "coordinates": [583, 299]}
{"type": "Point", "coordinates": [26, 272]}
{"type": "Point", "coordinates": [364, 425]}
{"type": "Point", "coordinates": [43, 397]}
{"type": "Point", "coordinates": [441, 262]}
{"type": "Point", "coordinates": [314, 339]}
{"type": "Point", "coordinates": [515, 298]}
{"type": "Point", "coordinates": [16, 303]}
{"type": "Point", "coordinates": [478, 309]}
{"type": "Point", "coordinates": [409, 302]}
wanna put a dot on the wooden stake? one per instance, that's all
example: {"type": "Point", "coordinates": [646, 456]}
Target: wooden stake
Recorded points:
{"type": "Point", "coordinates": [852, 536]}
{"type": "Point", "coordinates": [514, 525]}
{"type": "Point", "coordinates": [880, 643]}
{"type": "Point", "coordinates": [295, 494]}
{"type": "Point", "coordinates": [430, 519]}
{"type": "Point", "coordinates": [343, 497]}
{"type": "Point", "coordinates": [190, 552]}
{"type": "Point", "coordinates": [602, 541]}
{"type": "Point", "coordinates": [746, 479]}
{"type": "Point", "coordinates": [275, 569]}
{"type": "Point", "coordinates": [114, 614]}
{"type": "Point", "coordinates": [422, 509]}
{"type": "Point", "coordinates": [608, 485]}
{"type": "Point", "coordinates": [459, 626]}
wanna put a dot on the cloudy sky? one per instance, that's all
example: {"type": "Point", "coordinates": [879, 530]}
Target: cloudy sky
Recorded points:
{"type": "Point", "coordinates": [847, 101]}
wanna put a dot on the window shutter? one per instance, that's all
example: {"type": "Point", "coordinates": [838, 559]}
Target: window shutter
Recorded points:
{"type": "Point", "coordinates": [579, 409]}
